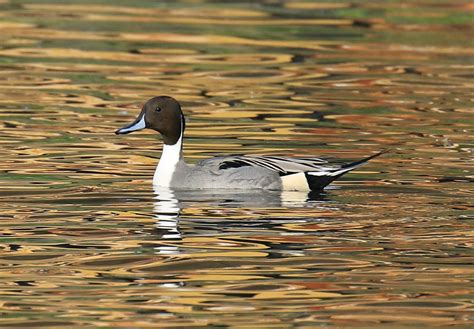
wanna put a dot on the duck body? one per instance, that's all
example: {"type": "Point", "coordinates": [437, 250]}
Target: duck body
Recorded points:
{"type": "Point", "coordinates": [207, 174]}
{"type": "Point", "coordinates": [164, 115]}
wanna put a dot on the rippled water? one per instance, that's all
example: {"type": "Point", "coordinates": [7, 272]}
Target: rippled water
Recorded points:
{"type": "Point", "coordinates": [86, 242]}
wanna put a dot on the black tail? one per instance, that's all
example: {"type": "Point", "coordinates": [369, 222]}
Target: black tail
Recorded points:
{"type": "Point", "coordinates": [318, 180]}
{"type": "Point", "coordinates": [361, 162]}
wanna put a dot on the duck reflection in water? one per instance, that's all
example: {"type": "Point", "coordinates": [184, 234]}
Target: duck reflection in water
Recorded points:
{"type": "Point", "coordinates": [170, 203]}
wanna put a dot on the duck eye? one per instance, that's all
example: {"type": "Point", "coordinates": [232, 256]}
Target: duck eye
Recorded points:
{"type": "Point", "coordinates": [158, 109]}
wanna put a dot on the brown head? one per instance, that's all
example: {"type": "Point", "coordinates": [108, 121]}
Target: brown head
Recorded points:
{"type": "Point", "coordinates": [163, 114]}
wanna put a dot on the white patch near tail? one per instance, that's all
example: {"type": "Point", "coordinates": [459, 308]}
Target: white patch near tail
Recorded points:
{"type": "Point", "coordinates": [295, 182]}
{"type": "Point", "coordinates": [321, 173]}
{"type": "Point", "coordinates": [331, 173]}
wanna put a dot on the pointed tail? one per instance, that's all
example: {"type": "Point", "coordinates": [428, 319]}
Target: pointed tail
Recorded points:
{"type": "Point", "coordinates": [319, 180]}
{"type": "Point", "coordinates": [358, 163]}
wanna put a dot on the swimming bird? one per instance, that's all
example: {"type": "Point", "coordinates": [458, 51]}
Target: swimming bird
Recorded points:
{"type": "Point", "coordinates": [164, 115]}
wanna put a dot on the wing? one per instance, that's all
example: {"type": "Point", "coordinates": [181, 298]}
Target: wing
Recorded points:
{"type": "Point", "coordinates": [282, 165]}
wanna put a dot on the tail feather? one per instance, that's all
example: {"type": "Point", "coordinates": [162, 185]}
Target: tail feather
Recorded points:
{"type": "Point", "coordinates": [317, 180]}
{"type": "Point", "coordinates": [358, 163]}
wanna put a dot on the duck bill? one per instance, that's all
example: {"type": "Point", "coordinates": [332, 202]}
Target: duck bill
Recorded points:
{"type": "Point", "coordinates": [136, 125]}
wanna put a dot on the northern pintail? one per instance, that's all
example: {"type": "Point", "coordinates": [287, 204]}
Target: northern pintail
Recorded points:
{"type": "Point", "coordinates": [164, 115]}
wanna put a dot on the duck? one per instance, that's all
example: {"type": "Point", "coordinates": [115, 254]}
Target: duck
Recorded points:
{"type": "Point", "coordinates": [164, 115]}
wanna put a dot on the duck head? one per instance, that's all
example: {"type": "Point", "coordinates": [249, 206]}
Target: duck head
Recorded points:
{"type": "Point", "coordinates": [163, 114]}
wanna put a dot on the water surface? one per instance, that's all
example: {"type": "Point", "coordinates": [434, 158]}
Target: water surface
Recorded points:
{"type": "Point", "coordinates": [86, 241]}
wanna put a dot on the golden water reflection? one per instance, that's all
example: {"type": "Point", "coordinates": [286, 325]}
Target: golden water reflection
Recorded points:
{"type": "Point", "coordinates": [86, 242]}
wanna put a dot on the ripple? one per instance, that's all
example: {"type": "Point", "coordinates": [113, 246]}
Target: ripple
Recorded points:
{"type": "Point", "coordinates": [217, 243]}
{"type": "Point", "coordinates": [241, 76]}
{"type": "Point", "coordinates": [417, 304]}
{"type": "Point", "coordinates": [22, 81]}
{"type": "Point", "coordinates": [203, 12]}
{"type": "Point", "coordinates": [285, 103]}
{"type": "Point", "coordinates": [241, 93]}
{"type": "Point", "coordinates": [230, 59]}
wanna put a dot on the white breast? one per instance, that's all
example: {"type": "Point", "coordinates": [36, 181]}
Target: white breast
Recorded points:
{"type": "Point", "coordinates": [168, 163]}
